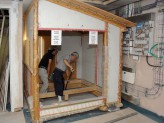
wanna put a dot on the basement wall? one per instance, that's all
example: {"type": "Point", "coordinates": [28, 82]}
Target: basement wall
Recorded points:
{"type": "Point", "coordinates": [144, 76]}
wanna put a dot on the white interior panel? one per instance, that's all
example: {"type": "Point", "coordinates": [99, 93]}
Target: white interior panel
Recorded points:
{"type": "Point", "coordinates": [114, 61]}
{"type": "Point", "coordinates": [55, 16]}
{"type": "Point", "coordinates": [100, 62]}
{"type": "Point", "coordinates": [71, 42]}
{"type": "Point", "coordinates": [15, 55]}
{"type": "Point", "coordinates": [89, 60]}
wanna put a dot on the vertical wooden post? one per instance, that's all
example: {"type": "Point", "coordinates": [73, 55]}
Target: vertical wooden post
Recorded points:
{"type": "Point", "coordinates": [105, 65]}
{"type": "Point", "coordinates": [120, 69]}
{"type": "Point", "coordinates": [35, 66]}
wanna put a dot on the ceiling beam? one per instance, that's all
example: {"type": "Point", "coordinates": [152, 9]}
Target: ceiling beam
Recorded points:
{"type": "Point", "coordinates": [92, 1]}
{"type": "Point", "coordinates": [102, 2]}
{"type": "Point", "coordinates": [106, 2]}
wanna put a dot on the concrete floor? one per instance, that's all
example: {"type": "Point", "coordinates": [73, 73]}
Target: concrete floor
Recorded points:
{"type": "Point", "coordinates": [127, 115]}
{"type": "Point", "coordinates": [143, 115]}
{"type": "Point", "coordinates": [9, 117]}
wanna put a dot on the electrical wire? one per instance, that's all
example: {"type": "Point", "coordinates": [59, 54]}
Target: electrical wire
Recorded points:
{"type": "Point", "coordinates": [147, 60]}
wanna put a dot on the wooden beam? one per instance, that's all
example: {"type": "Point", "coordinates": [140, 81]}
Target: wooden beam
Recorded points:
{"type": "Point", "coordinates": [106, 64]}
{"type": "Point", "coordinates": [29, 9]}
{"type": "Point", "coordinates": [120, 69]}
{"type": "Point", "coordinates": [35, 65]}
{"type": "Point", "coordinates": [70, 92]}
{"type": "Point", "coordinates": [92, 1]}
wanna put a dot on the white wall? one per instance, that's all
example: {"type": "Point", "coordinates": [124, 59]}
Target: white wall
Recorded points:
{"type": "Point", "coordinates": [55, 16]}
{"type": "Point", "coordinates": [144, 75]}
{"type": "Point", "coordinates": [71, 41]}
{"type": "Point", "coordinates": [15, 55]}
{"type": "Point", "coordinates": [114, 61]}
{"type": "Point", "coordinates": [89, 60]}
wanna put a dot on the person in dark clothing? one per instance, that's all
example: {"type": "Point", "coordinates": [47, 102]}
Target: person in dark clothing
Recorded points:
{"type": "Point", "coordinates": [44, 68]}
{"type": "Point", "coordinates": [62, 65]}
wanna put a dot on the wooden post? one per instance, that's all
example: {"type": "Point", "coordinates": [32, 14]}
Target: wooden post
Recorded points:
{"type": "Point", "coordinates": [35, 66]}
{"type": "Point", "coordinates": [105, 65]}
{"type": "Point", "coordinates": [120, 69]}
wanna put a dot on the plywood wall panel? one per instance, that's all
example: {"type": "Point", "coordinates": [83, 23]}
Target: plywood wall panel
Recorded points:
{"type": "Point", "coordinates": [15, 55]}
{"type": "Point", "coordinates": [55, 16]}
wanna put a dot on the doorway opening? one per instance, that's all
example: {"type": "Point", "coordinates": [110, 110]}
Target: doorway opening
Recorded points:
{"type": "Point", "coordinates": [4, 59]}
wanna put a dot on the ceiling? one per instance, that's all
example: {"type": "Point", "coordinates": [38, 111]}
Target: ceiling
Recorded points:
{"type": "Point", "coordinates": [107, 5]}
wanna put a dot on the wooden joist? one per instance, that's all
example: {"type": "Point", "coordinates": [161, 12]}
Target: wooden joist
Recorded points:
{"type": "Point", "coordinates": [75, 87]}
{"type": "Point", "coordinates": [77, 91]}
{"type": "Point", "coordinates": [70, 92]}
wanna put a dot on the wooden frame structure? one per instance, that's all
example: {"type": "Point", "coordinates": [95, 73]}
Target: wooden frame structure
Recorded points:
{"type": "Point", "coordinates": [76, 86]}
{"type": "Point", "coordinates": [108, 19]}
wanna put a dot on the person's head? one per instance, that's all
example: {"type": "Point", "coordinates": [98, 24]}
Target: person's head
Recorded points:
{"type": "Point", "coordinates": [74, 57]}
{"type": "Point", "coordinates": [54, 51]}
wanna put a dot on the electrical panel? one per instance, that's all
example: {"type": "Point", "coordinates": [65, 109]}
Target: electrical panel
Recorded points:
{"type": "Point", "coordinates": [138, 40]}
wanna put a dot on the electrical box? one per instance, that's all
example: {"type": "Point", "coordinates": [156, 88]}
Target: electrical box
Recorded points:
{"type": "Point", "coordinates": [138, 40]}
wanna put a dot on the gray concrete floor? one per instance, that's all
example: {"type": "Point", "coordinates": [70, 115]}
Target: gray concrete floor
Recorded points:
{"type": "Point", "coordinates": [12, 117]}
{"type": "Point", "coordinates": [115, 117]}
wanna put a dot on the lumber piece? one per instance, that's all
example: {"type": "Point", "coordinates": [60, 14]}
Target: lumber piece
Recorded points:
{"type": "Point", "coordinates": [70, 92]}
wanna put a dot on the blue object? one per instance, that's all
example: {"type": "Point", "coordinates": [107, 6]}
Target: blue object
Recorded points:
{"type": "Point", "coordinates": [140, 25]}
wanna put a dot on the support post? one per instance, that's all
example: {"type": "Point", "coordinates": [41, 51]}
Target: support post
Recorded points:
{"type": "Point", "coordinates": [35, 66]}
{"type": "Point", "coordinates": [120, 69]}
{"type": "Point", "coordinates": [105, 59]}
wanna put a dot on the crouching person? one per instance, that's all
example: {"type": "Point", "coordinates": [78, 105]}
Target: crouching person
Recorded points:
{"type": "Point", "coordinates": [62, 65]}
{"type": "Point", "coordinates": [44, 68]}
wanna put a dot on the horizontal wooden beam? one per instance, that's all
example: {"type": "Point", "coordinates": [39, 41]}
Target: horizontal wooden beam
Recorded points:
{"type": "Point", "coordinates": [69, 92]}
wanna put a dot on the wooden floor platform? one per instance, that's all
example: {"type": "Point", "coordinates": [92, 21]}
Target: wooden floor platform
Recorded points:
{"type": "Point", "coordinates": [74, 87]}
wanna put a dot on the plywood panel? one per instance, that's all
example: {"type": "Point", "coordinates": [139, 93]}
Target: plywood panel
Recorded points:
{"type": "Point", "coordinates": [89, 64]}
{"type": "Point", "coordinates": [61, 17]}
{"type": "Point", "coordinates": [15, 55]}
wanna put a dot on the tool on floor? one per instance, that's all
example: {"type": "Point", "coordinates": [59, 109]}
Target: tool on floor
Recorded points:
{"type": "Point", "coordinates": [68, 81]}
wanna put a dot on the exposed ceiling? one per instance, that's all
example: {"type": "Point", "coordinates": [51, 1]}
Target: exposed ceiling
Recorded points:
{"type": "Point", "coordinates": [107, 5]}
